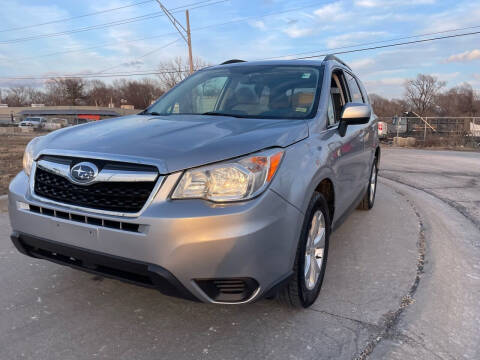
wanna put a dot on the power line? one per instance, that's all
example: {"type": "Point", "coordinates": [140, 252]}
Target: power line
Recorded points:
{"type": "Point", "coordinates": [372, 42]}
{"type": "Point", "coordinates": [82, 76]}
{"type": "Point", "coordinates": [76, 17]}
{"type": "Point", "coordinates": [193, 6]}
{"type": "Point", "coordinates": [390, 45]}
{"type": "Point", "coordinates": [246, 19]}
{"type": "Point", "coordinates": [141, 57]}
{"type": "Point", "coordinates": [107, 43]}
{"type": "Point", "coordinates": [168, 34]}
{"type": "Point", "coordinates": [299, 58]}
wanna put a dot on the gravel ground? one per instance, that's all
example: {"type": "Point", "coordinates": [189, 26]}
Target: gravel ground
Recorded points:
{"type": "Point", "coordinates": [11, 153]}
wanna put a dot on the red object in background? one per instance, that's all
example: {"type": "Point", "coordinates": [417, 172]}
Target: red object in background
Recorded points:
{"type": "Point", "coordinates": [380, 126]}
{"type": "Point", "coordinates": [89, 117]}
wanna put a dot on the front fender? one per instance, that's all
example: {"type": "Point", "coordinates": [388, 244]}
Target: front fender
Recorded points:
{"type": "Point", "coordinates": [304, 166]}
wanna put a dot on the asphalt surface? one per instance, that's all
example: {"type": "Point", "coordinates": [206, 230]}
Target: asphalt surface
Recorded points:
{"type": "Point", "coordinates": [402, 282]}
{"type": "Point", "coordinates": [444, 320]}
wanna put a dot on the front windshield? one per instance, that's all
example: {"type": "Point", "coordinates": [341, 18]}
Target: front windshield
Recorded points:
{"type": "Point", "coordinates": [257, 91]}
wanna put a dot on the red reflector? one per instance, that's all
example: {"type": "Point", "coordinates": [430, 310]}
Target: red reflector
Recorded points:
{"type": "Point", "coordinates": [380, 126]}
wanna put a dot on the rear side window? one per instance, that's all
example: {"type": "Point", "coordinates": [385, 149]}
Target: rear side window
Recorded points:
{"type": "Point", "coordinates": [355, 92]}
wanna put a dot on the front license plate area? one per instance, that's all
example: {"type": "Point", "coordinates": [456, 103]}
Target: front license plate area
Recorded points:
{"type": "Point", "coordinates": [73, 234]}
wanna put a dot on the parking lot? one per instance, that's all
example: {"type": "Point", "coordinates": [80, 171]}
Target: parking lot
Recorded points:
{"type": "Point", "coordinates": [402, 282]}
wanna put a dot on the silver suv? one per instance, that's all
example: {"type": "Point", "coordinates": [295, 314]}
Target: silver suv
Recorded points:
{"type": "Point", "coordinates": [225, 190]}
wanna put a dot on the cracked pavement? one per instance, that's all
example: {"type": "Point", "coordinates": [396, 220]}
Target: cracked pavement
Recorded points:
{"type": "Point", "coordinates": [375, 260]}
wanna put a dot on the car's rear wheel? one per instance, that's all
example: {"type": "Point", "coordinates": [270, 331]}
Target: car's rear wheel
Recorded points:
{"type": "Point", "coordinates": [369, 198]}
{"type": "Point", "coordinates": [311, 257]}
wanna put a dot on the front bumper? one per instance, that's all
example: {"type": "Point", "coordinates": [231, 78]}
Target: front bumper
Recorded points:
{"type": "Point", "coordinates": [175, 244]}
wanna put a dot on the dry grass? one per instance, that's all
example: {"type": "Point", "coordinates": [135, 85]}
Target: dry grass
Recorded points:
{"type": "Point", "coordinates": [11, 153]}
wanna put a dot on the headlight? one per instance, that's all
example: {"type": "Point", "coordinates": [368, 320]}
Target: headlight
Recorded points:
{"type": "Point", "coordinates": [234, 180]}
{"type": "Point", "coordinates": [28, 155]}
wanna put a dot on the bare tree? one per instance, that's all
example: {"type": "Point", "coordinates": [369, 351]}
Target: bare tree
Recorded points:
{"type": "Point", "coordinates": [98, 93]}
{"type": "Point", "coordinates": [35, 96]}
{"type": "Point", "coordinates": [421, 92]}
{"type": "Point", "coordinates": [385, 107]}
{"type": "Point", "coordinates": [65, 91]}
{"type": "Point", "coordinates": [73, 90]}
{"type": "Point", "coordinates": [17, 96]}
{"type": "Point", "coordinates": [457, 101]}
{"type": "Point", "coordinates": [173, 71]}
{"type": "Point", "coordinates": [53, 93]}
{"type": "Point", "coordinates": [137, 93]}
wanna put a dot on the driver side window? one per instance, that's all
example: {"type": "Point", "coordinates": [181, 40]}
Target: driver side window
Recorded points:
{"type": "Point", "coordinates": [337, 99]}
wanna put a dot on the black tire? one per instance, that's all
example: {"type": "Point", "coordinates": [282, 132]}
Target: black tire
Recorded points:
{"type": "Point", "coordinates": [296, 293]}
{"type": "Point", "coordinates": [368, 201]}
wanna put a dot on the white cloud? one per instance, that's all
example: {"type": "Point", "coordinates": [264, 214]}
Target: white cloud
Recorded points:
{"type": "Point", "coordinates": [446, 76]}
{"type": "Point", "coordinates": [389, 3]}
{"type": "Point", "coordinates": [296, 32]}
{"type": "Point", "coordinates": [330, 12]}
{"type": "Point", "coordinates": [321, 19]}
{"type": "Point", "coordinates": [361, 64]}
{"type": "Point", "coordinates": [395, 81]}
{"type": "Point", "coordinates": [352, 38]}
{"type": "Point", "coordinates": [465, 56]}
{"type": "Point", "coordinates": [475, 82]}
{"type": "Point", "coordinates": [464, 15]}
{"type": "Point", "coordinates": [134, 62]}
{"type": "Point", "coordinates": [259, 25]}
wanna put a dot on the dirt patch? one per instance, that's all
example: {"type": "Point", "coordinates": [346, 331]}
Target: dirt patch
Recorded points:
{"type": "Point", "coordinates": [11, 154]}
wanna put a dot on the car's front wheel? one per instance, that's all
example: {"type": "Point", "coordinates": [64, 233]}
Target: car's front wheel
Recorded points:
{"type": "Point", "coordinates": [311, 257]}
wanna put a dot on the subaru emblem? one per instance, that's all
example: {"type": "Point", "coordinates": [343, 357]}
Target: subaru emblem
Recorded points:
{"type": "Point", "coordinates": [84, 172]}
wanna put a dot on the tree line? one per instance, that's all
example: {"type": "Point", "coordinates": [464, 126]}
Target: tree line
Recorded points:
{"type": "Point", "coordinates": [426, 95]}
{"type": "Point", "coordinates": [77, 91]}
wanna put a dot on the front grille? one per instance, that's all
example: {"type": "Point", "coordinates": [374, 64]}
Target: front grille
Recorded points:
{"type": "Point", "coordinates": [128, 197]}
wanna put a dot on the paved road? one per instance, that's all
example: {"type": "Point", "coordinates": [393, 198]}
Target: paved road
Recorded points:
{"type": "Point", "coordinates": [444, 320]}
{"type": "Point", "coordinates": [402, 282]}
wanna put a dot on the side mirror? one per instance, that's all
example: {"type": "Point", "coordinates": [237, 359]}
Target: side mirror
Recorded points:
{"type": "Point", "coordinates": [354, 114]}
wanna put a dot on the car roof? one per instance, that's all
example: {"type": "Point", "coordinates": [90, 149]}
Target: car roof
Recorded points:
{"type": "Point", "coordinates": [316, 63]}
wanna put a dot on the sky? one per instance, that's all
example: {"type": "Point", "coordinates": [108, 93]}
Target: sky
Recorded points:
{"type": "Point", "coordinates": [241, 29]}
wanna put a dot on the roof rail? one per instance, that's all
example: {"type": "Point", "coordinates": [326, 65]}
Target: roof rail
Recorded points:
{"type": "Point", "coordinates": [333, 57]}
{"type": "Point", "coordinates": [232, 61]}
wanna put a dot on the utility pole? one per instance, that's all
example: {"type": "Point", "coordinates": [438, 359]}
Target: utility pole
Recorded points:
{"type": "Point", "coordinates": [189, 42]}
{"type": "Point", "coordinates": [184, 32]}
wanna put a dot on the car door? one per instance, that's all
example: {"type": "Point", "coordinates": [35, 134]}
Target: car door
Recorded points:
{"type": "Point", "coordinates": [366, 131]}
{"type": "Point", "coordinates": [374, 129]}
{"type": "Point", "coordinates": [347, 153]}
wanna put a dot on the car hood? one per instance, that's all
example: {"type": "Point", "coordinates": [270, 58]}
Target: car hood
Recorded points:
{"type": "Point", "coordinates": [174, 142]}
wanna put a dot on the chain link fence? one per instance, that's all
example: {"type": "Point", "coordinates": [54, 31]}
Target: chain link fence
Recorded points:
{"type": "Point", "coordinates": [431, 131]}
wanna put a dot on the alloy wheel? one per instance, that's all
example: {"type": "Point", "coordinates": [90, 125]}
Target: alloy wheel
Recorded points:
{"type": "Point", "coordinates": [373, 183]}
{"type": "Point", "coordinates": [314, 251]}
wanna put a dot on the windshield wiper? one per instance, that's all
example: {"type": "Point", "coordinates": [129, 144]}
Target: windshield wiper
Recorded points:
{"type": "Point", "coordinates": [214, 113]}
